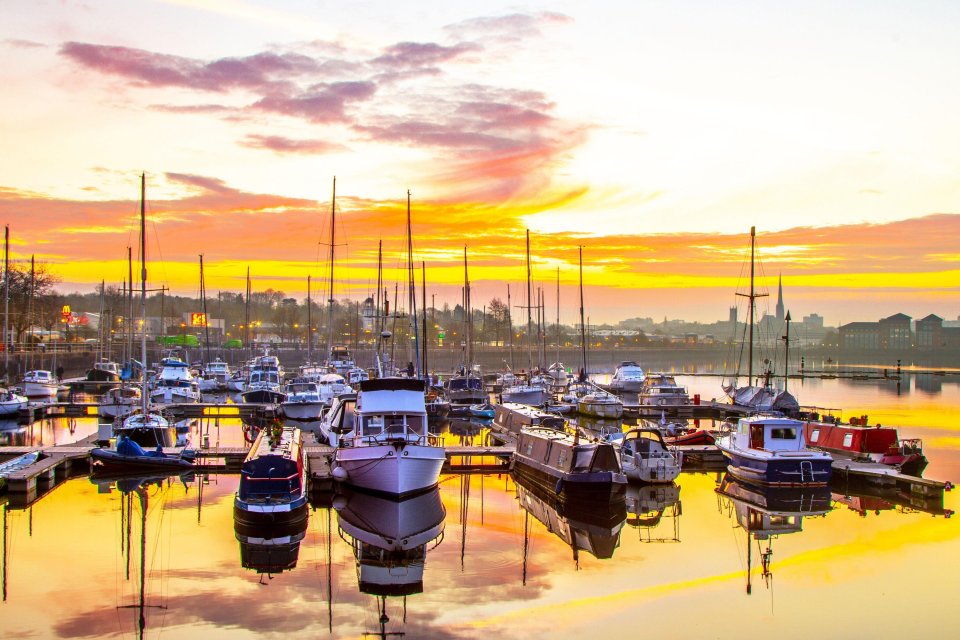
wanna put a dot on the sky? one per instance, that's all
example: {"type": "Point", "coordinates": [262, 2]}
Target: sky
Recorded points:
{"type": "Point", "coordinates": [653, 135]}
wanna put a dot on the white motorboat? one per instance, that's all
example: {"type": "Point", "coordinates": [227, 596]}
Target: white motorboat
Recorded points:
{"type": "Point", "coordinates": [11, 402]}
{"type": "Point", "coordinates": [522, 392]}
{"type": "Point", "coordinates": [356, 375]}
{"type": "Point", "coordinates": [39, 383]}
{"type": "Point", "coordinates": [390, 449]}
{"type": "Point", "coordinates": [629, 377]}
{"type": "Point", "coordinates": [303, 401]}
{"type": "Point", "coordinates": [662, 390]}
{"type": "Point", "coordinates": [215, 377]}
{"type": "Point", "coordinates": [340, 360]}
{"type": "Point", "coordinates": [264, 383]}
{"type": "Point", "coordinates": [119, 401]}
{"type": "Point", "coordinates": [332, 385]}
{"type": "Point", "coordinates": [175, 384]}
{"type": "Point", "coordinates": [600, 404]}
{"type": "Point", "coordinates": [645, 457]}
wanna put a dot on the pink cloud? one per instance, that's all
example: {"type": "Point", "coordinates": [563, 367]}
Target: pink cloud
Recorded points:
{"type": "Point", "coordinates": [321, 103]}
{"type": "Point", "coordinates": [279, 144]}
{"type": "Point", "coordinates": [421, 54]}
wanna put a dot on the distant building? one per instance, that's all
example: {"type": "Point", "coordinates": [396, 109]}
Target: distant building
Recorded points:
{"type": "Point", "coordinates": [780, 315]}
{"type": "Point", "coordinates": [860, 335]}
{"type": "Point", "coordinates": [895, 332]}
{"type": "Point", "coordinates": [891, 333]}
{"type": "Point", "coordinates": [930, 331]}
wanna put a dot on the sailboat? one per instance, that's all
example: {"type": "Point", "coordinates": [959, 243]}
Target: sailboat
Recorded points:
{"type": "Point", "coordinates": [146, 428]}
{"type": "Point", "coordinates": [465, 389]}
{"type": "Point", "coordinates": [758, 397]}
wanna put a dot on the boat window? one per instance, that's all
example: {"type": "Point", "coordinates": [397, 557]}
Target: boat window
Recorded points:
{"type": "Point", "coordinates": [394, 425]}
{"type": "Point", "coordinates": [605, 459]}
{"type": "Point", "coordinates": [583, 458]}
{"type": "Point", "coordinates": [815, 435]}
{"type": "Point", "coordinates": [372, 426]}
{"type": "Point", "coordinates": [415, 425]}
{"type": "Point", "coordinates": [784, 433]}
{"type": "Point", "coordinates": [349, 420]}
{"type": "Point", "coordinates": [848, 440]}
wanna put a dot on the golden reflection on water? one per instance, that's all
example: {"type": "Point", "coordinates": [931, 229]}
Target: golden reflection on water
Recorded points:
{"type": "Point", "coordinates": [500, 571]}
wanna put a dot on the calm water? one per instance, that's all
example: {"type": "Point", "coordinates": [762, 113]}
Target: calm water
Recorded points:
{"type": "Point", "coordinates": [486, 558]}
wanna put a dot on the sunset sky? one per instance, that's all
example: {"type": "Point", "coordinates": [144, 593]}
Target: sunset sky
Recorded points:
{"type": "Point", "coordinates": [653, 134]}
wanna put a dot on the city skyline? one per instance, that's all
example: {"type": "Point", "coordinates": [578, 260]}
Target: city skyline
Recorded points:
{"type": "Point", "coordinates": [657, 160]}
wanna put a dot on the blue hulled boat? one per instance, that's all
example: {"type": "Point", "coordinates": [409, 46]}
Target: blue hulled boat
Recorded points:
{"type": "Point", "coordinates": [770, 450]}
{"type": "Point", "coordinates": [273, 479]}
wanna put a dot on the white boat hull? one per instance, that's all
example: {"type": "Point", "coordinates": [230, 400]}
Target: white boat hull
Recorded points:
{"type": "Point", "coordinates": [39, 389]}
{"type": "Point", "coordinates": [117, 410]}
{"type": "Point", "coordinates": [396, 469]}
{"type": "Point", "coordinates": [600, 410]}
{"type": "Point", "coordinates": [12, 408]}
{"type": "Point", "coordinates": [173, 396]}
{"type": "Point", "coordinates": [535, 397]}
{"type": "Point", "coordinates": [303, 410]}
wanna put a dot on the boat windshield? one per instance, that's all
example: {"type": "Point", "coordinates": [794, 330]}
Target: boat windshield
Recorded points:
{"type": "Point", "coordinates": [389, 426]}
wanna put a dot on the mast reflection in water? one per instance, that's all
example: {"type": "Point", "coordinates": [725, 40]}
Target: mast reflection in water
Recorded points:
{"type": "Point", "coordinates": [768, 512]}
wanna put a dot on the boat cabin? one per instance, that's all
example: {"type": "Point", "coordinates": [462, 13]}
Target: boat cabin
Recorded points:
{"type": "Point", "coordinates": [391, 409]}
{"type": "Point", "coordinates": [273, 470]}
{"type": "Point", "coordinates": [769, 433]}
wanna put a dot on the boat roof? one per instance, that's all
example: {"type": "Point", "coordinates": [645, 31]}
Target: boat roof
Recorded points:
{"type": "Point", "coordinates": [393, 384]}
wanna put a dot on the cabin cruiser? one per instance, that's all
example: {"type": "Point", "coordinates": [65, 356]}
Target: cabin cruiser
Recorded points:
{"type": "Point", "coordinates": [340, 360]}
{"type": "Point", "coordinates": [339, 421]}
{"type": "Point", "coordinates": [558, 377]}
{"type": "Point", "coordinates": [390, 449]}
{"type": "Point", "coordinates": [174, 383]}
{"type": "Point", "coordinates": [104, 371]}
{"type": "Point", "coordinates": [311, 372]}
{"type": "Point", "coordinates": [332, 385]}
{"type": "Point", "coordinates": [11, 402]}
{"type": "Point", "coordinates": [662, 390]}
{"type": "Point", "coordinates": [273, 480]}
{"type": "Point", "coordinates": [264, 383]}
{"type": "Point", "coordinates": [463, 390]}
{"type": "Point", "coordinates": [645, 457]}
{"type": "Point", "coordinates": [119, 401]}
{"type": "Point", "coordinates": [303, 401]}
{"type": "Point", "coordinates": [525, 392]}
{"type": "Point", "coordinates": [148, 429]}
{"type": "Point", "coordinates": [215, 377]}
{"type": "Point", "coordinates": [600, 404]}
{"type": "Point", "coordinates": [356, 375]}
{"type": "Point", "coordinates": [628, 377]}
{"type": "Point", "coordinates": [771, 450]}
{"type": "Point", "coordinates": [39, 383]}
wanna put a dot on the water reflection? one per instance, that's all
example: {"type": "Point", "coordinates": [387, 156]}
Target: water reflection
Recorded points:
{"type": "Point", "coordinates": [765, 513]}
{"type": "Point", "coordinates": [594, 528]}
{"type": "Point", "coordinates": [135, 506]}
{"type": "Point", "coordinates": [654, 511]}
{"type": "Point", "coordinates": [269, 549]}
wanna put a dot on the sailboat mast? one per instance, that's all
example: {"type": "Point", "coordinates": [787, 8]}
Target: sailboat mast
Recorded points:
{"type": "Point", "coordinates": [583, 336]}
{"type": "Point", "coordinates": [529, 307]}
{"type": "Point", "coordinates": [143, 295]}
{"type": "Point", "coordinates": [129, 331]}
{"type": "Point", "coordinates": [309, 325]}
{"type": "Point", "coordinates": [246, 314]}
{"type": "Point", "coordinates": [510, 325]}
{"type": "Point", "coordinates": [753, 236]}
{"type": "Point", "coordinates": [6, 303]}
{"type": "Point", "coordinates": [333, 240]}
{"type": "Point", "coordinates": [558, 314]}
{"type": "Point", "coordinates": [412, 287]}
{"type": "Point", "coordinates": [786, 353]}
{"type": "Point", "coordinates": [423, 293]}
{"type": "Point", "coordinates": [206, 324]}
{"type": "Point", "coordinates": [468, 314]}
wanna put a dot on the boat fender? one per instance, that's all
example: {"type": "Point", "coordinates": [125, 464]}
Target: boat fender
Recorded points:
{"type": "Point", "coordinates": [339, 502]}
{"type": "Point", "coordinates": [339, 473]}
{"type": "Point", "coordinates": [559, 487]}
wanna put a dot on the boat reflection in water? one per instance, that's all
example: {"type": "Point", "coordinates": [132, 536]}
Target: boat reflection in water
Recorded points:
{"type": "Point", "coordinates": [767, 512]}
{"type": "Point", "coordinates": [654, 511]}
{"type": "Point", "coordinates": [269, 548]}
{"type": "Point", "coordinates": [390, 540]}
{"type": "Point", "coordinates": [592, 528]}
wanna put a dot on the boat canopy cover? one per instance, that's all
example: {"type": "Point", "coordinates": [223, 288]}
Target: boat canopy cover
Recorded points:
{"type": "Point", "coordinates": [393, 384]}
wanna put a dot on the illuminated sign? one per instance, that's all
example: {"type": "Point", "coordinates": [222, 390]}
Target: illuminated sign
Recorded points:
{"type": "Point", "coordinates": [65, 314]}
{"type": "Point", "coordinates": [198, 319]}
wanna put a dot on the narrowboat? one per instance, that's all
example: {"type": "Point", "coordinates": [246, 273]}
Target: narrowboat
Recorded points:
{"type": "Point", "coordinates": [858, 441]}
{"type": "Point", "coordinates": [568, 464]}
{"type": "Point", "coordinates": [771, 450]}
{"type": "Point", "coordinates": [273, 486]}
{"type": "Point", "coordinates": [510, 418]}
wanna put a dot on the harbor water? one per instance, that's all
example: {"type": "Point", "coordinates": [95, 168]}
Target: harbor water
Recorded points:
{"type": "Point", "coordinates": [485, 557]}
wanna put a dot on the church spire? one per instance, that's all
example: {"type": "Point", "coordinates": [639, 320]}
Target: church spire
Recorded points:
{"type": "Point", "coordinates": [780, 316]}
